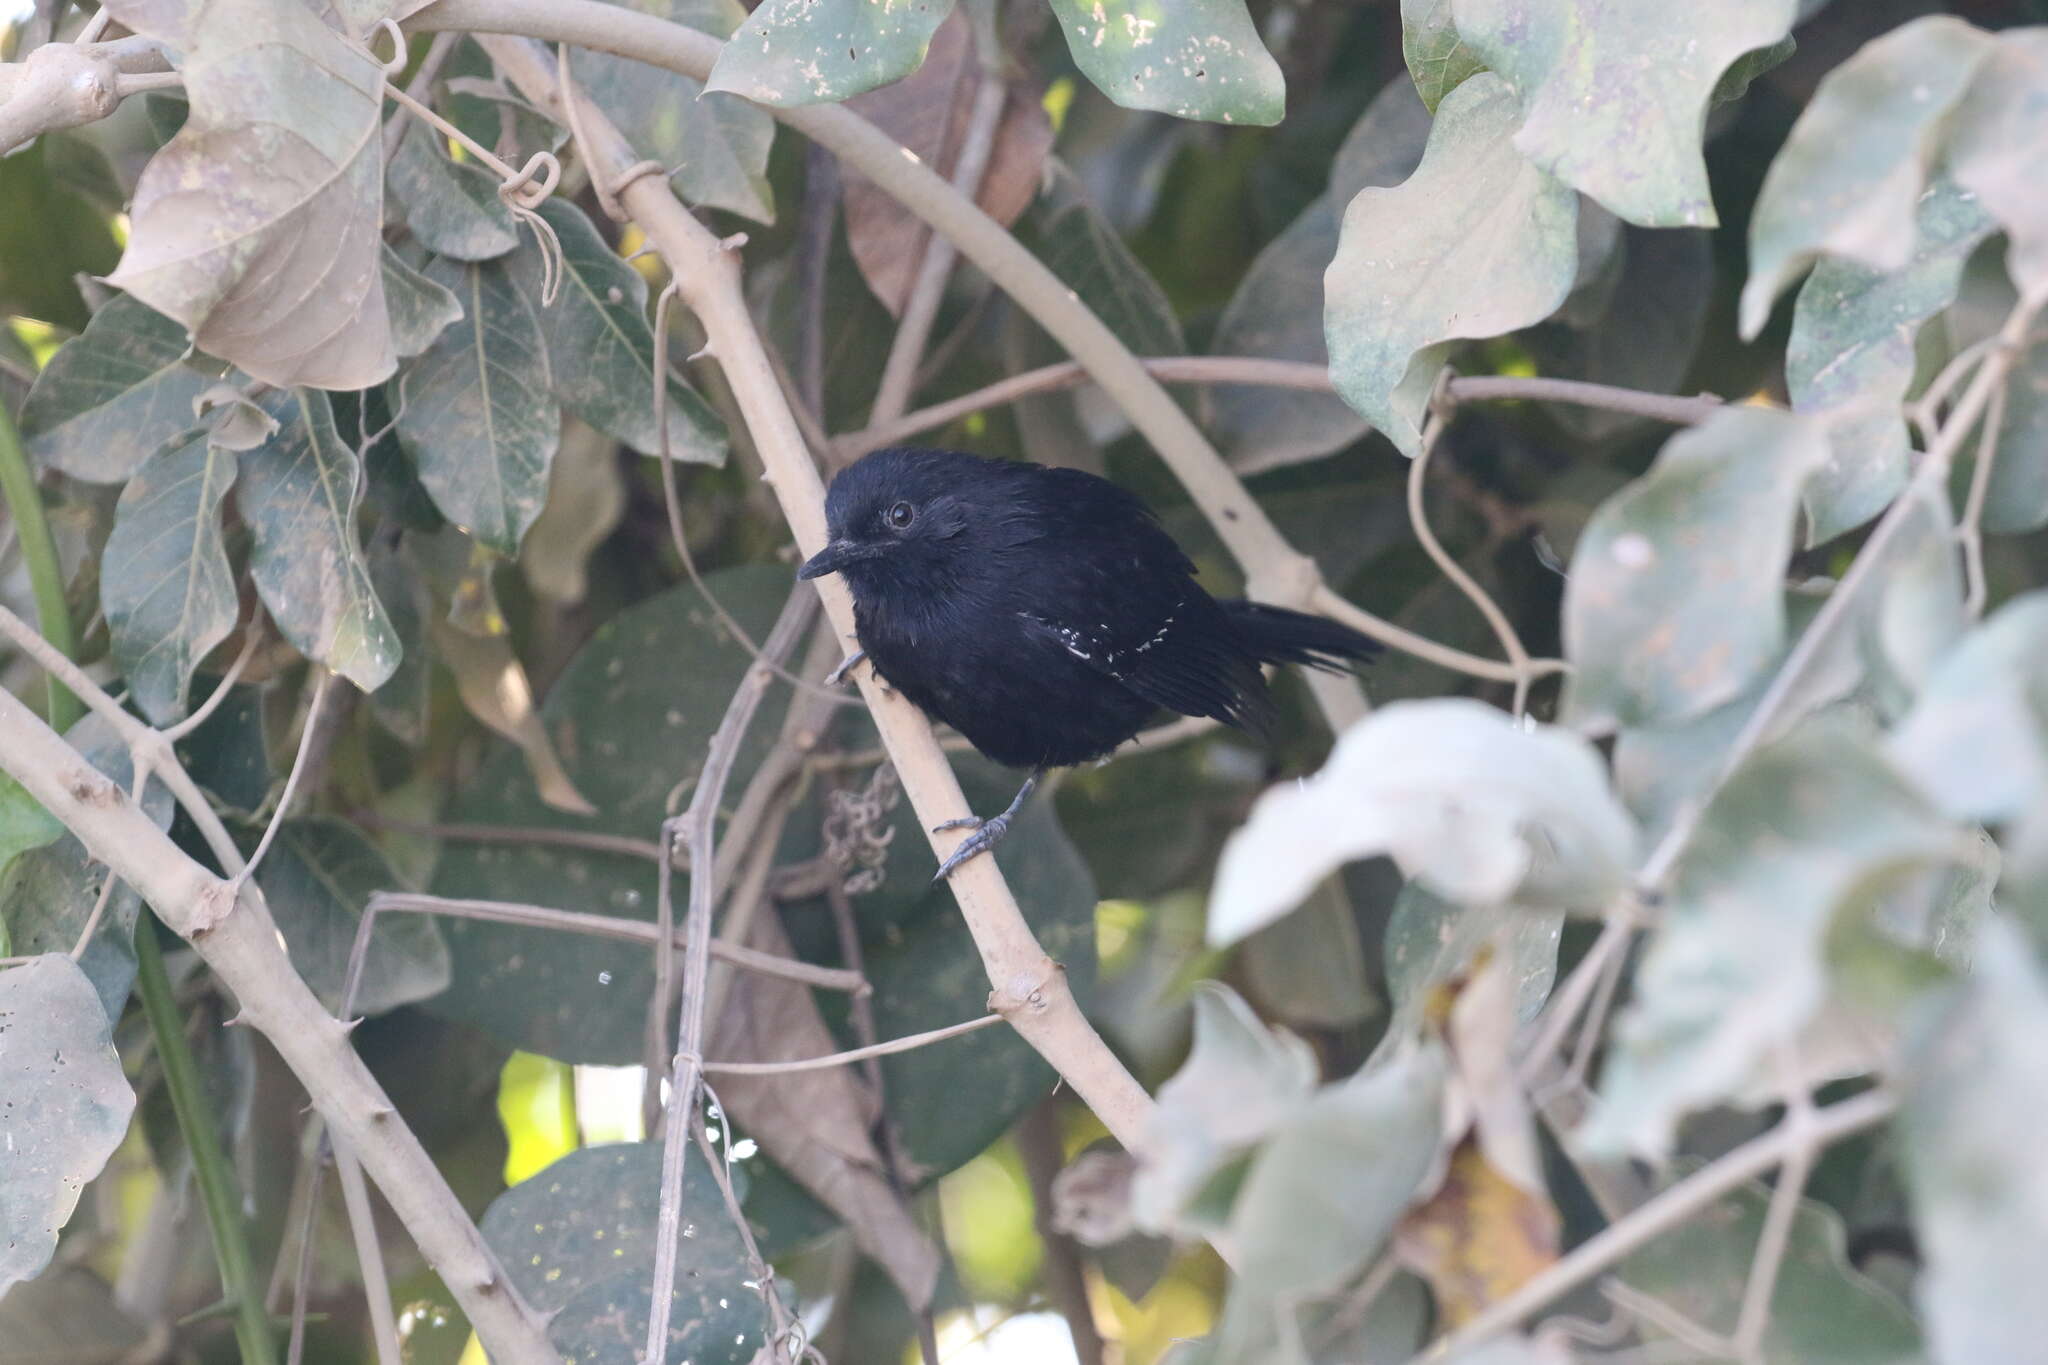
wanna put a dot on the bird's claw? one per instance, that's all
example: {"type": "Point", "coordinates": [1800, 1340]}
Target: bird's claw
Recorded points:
{"type": "Point", "coordinates": [987, 834]}
{"type": "Point", "coordinates": [838, 674]}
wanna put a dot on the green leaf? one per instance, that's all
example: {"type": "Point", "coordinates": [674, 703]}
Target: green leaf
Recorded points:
{"type": "Point", "coordinates": [1431, 940]}
{"type": "Point", "coordinates": [1797, 838]}
{"type": "Point", "coordinates": [1613, 96]}
{"type": "Point", "coordinates": [401, 703]}
{"type": "Point", "coordinates": [67, 1105]}
{"type": "Point", "coordinates": [1852, 357]}
{"type": "Point", "coordinates": [2017, 499]}
{"type": "Point", "coordinates": [717, 143]}
{"type": "Point", "coordinates": [1439, 61]}
{"type": "Point", "coordinates": [48, 236]}
{"type": "Point", "coordinates": [1977, 741]}
{"type": "Point", "coordinates": [1198, 59]}
{"type": "Point", "coordinates": [298, 494]}
{"type": "Point", "coordinates": [1999, 142]}
{"type": "Point", "coordinates": [112, 394]}
{"type": "Point", "coordinates": [577, 1240]}
{"type": "Point", "coordinates": [600, 349]}
{"type": "Point", "coordinates": [1323, 1193]}
{"type": "Point", "coordinates": [1970, 1132]}
{"type": "Point", "coordinates": [476, 411]}
{"type": "Point", "coordinates": [1277, 311]}
{"type": "Point", "coordinates": [1460, 795]}
{"type": "Point", "coordinates": [258, 225]}
{"type": "Point", "coordinates": [1476, 243]}
{"type": "Point", "coordinates": [1078, 244]}
{"type": "Point", "coordinates": [1849, 179]}
{"type": "Point", "coordinates": [420, 309]}
{"type": "Point", "coordinates": [1673, 603]}
{"type": "Point", "coordinates": [1241, 1080]}
{"type": "Point", "coordinates": [318, 875]}
{"type": "Point", "coordinates": [1822, 1311]}
{"type": "Point", "coordinates": [24, 824]}
{"type": "Point", "coordinates": [452, 207]}
{"type": "Point", "coordinates": [165, 582]}
{"type": "Point", "coordinates": [795, 52]}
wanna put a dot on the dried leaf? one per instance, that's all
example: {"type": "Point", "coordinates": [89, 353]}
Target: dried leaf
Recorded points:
{"type": "Point", "coordinates": [1480, 1237]}
{"type": "Point", "coordinates": [494, 687]}
{"type": "Point", "coordinates": [586, 498]}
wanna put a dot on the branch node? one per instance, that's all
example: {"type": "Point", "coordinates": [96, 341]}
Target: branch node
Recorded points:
{"type": "Point", "coordinates": [732, 243]}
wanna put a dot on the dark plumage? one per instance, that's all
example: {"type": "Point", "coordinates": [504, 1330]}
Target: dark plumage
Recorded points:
{"type": "Point", "coordinates": [1044, 613]}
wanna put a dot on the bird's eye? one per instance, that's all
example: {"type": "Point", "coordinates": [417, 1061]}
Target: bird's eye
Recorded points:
{"type": "Point", "coordinates": [901, 515]}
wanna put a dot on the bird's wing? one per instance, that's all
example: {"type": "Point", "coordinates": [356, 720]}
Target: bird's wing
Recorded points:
{"type": "Point", "coordinates": [1181, 656]}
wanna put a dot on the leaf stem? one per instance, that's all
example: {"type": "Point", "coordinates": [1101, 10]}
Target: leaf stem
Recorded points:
{"type": "Point", "coordinates": [45, 573]}
{"type": "Point", "coordinates": [202, 1140]}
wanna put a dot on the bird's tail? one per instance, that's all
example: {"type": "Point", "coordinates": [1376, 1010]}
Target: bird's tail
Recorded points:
{"type": "Point", "coordinates": [1279, 636]}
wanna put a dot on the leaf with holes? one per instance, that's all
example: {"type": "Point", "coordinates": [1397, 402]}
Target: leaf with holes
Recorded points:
{"type": "Point", "coordinates": [297, 492]}
{"type": "Point", "coordinates": [165, 582]}
{"type": "Point", "coordinates": [1674, 604]}
{"type": "Point", "coordinates": [66, 1103]}
{"type": "Point", "coordinates": [1463, 797]}
{"type": "Point", "coordinates": [1476, 243]}
{"type": "Point", "coordinates": [317, 876]}
{"type": "Point", "coordinates": [795, 52]}
{"type": "Point", "coordinates": [1198, 59]}
{"type": "Point", "coordinates": [600, 349]}
{"type": "Point", "coordinates": [715, 145]}
{"type": "Point", "coordinates": [258, 226]}
{"type": "Point", "coordinates": [476, 409]}
{"type": "Point", "coordinates": [1848, 181]}
{"type": "Point", "coordinates": [112, 394]}
{"type": "Point", "coordinates": [1614, 94]}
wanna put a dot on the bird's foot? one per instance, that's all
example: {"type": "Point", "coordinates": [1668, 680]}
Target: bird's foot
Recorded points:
{"type": "Point", "coordinates": [987, 834]}
{"type": "Point", "coordinates": [846, 666]}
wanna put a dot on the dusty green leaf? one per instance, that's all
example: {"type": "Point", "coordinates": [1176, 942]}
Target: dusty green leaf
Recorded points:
{"type": "Point", "coordinates": [1438, 60]}
{"type": "Point", "coordinates": [1822, 1311]}
{"type": "Point", "coordinates": [577, 1240]}
{"type": "Point", "coordinates": [318, 875]}
{"type": "Point", "coordinates": [717, 143]}
{"type": "Point", "coordinates": [2017, 499]}
{"type": "Point", "coordinates": [1673, 605]}
{"type": "Point", "coordinates": [1460, 795]}
{"type": "Point", "coordinates": [1277, 311]}
{"type": "Point", "coordinates": [1478, 242]}
{"type": "Point", "coordinates": [1431, 940]}
{"type": "Point", "coordinates": [112, 394]}
{"type": "Point", "coordinates": [401, 703]}
{"type": "Point", "coordinates": [1799, 835]}
{"type": "Point", "coordinates": [67, 1105]}
{"type": "Point", "coordinates": [1971, 1136]}
{"type": "Point", "coordinates": [165, 582]}
{"type": "Point", "coordinates": [1078, 244]}
{"type": "Point", "coordinates": [452, 207]}
{"type": "Point", "coordinates": [1198, 59]}
{"type": "Point", "coordinates": [298, 492]}
{"type": "Point", "coordinates": [420, 309]}
{"type": "Point", "coordinates": [257, 227]}
{"type": "Point", "coordinates": [1999, 142]}
{"type": "Point", "coordinates": [1323, 1193]}
{"type": "Point", "coordinates": [1849, 179]}
{"type": "Point", "coordinates": [476, 409]}
{"type": "Point", "coordinates": [1241, 1080]}
{"type": "Point", "coordinates": [1614, 93]}
{"type": "Point", "coordinates": [794, 52]}
{"type": "Point", "coordinates": [600, 349]}
{"type": "Point", "coordinates": [1851, 357]}
{"type": "Point", "coordinates": [1977, 741]}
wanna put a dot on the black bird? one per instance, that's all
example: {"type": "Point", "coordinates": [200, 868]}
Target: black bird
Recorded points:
{"type": "Point", "coordinates": [1044, 613]}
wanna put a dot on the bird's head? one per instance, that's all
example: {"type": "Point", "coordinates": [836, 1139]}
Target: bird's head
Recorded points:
{"type": "Point", "coordinates": [904, 514]}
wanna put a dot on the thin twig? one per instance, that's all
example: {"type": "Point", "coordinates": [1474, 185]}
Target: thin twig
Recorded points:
{"type": "Point", "coordinates": [1755, 1314]}
{"type": "Point", "coordinates": [907, 1043]}
{"type": "Point", "coordinates": [174, 733]}
{"type": "Point", "coordinates": [416, 89]}
{"type": "Point", "coordinates": [588, 841]}
{"type": "Point", "coordinates": [362, 1224]}
{"type": "Point", "coordinates": [1038, 1145]}
{"type": "Point", "coordinates": [292, 779]}
{"type": "Point", "coordinates": [1970, 530]}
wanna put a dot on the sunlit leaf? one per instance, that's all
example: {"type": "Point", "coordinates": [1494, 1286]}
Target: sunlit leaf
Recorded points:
{"type": "Point", "coordinates": [24, 824]}
{"type": "Point", "coordinates": [600, 349]}
{"type": "Point", "coordinates": [586, 498]}
{"type": "Point", "coordinates": [452, 207]}
{"type": "Point", "coordinates": [317, 877]}
{"type": "Point", "coordinates": [258, 226]}
{"type": "Point", "coordinates": [793, 52]}
{"type": "Point", "coordinates": [718, 144]}
{"type": "Point", "coordinates": [1674, 605]}
{"type": "Point", "coordinates": [578, 1240]}
{"type": "Point", "coordinates": [1999, 143]}
{"type": "Point", "coordinates": [298, 494]}
{"type": "Point", "coordinates": [1851, 356]}
{"type": "Point", "coordinates": [476, 411]}
{"type": "Point", "coordinates": [1735, 967]}
{"type": "Point", "coordinates": [1849, 179]}
{"type": "Point", "coordinates": [165, 582]}
{"type": "Point", "coordinates": [1476, 243]}
{"type": "Point", "coordinates": [1193, 58]}
{"type": "Point", "coordinates": [1614, 95]}
{"type": "Point", "coordinates": [67, 1105]}
{"type": "Point", "coordinates": [1438, 59]}
{"type": "Point", "coordinates": [1461, 796]}
{"type": "Point", "coordinates": [494, 686]}
{"type": "Point", "coordinates": [112, 394]}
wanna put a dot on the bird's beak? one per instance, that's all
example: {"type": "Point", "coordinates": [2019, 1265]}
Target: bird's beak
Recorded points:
{"type": "Point", "coordinates": [835, 556]}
